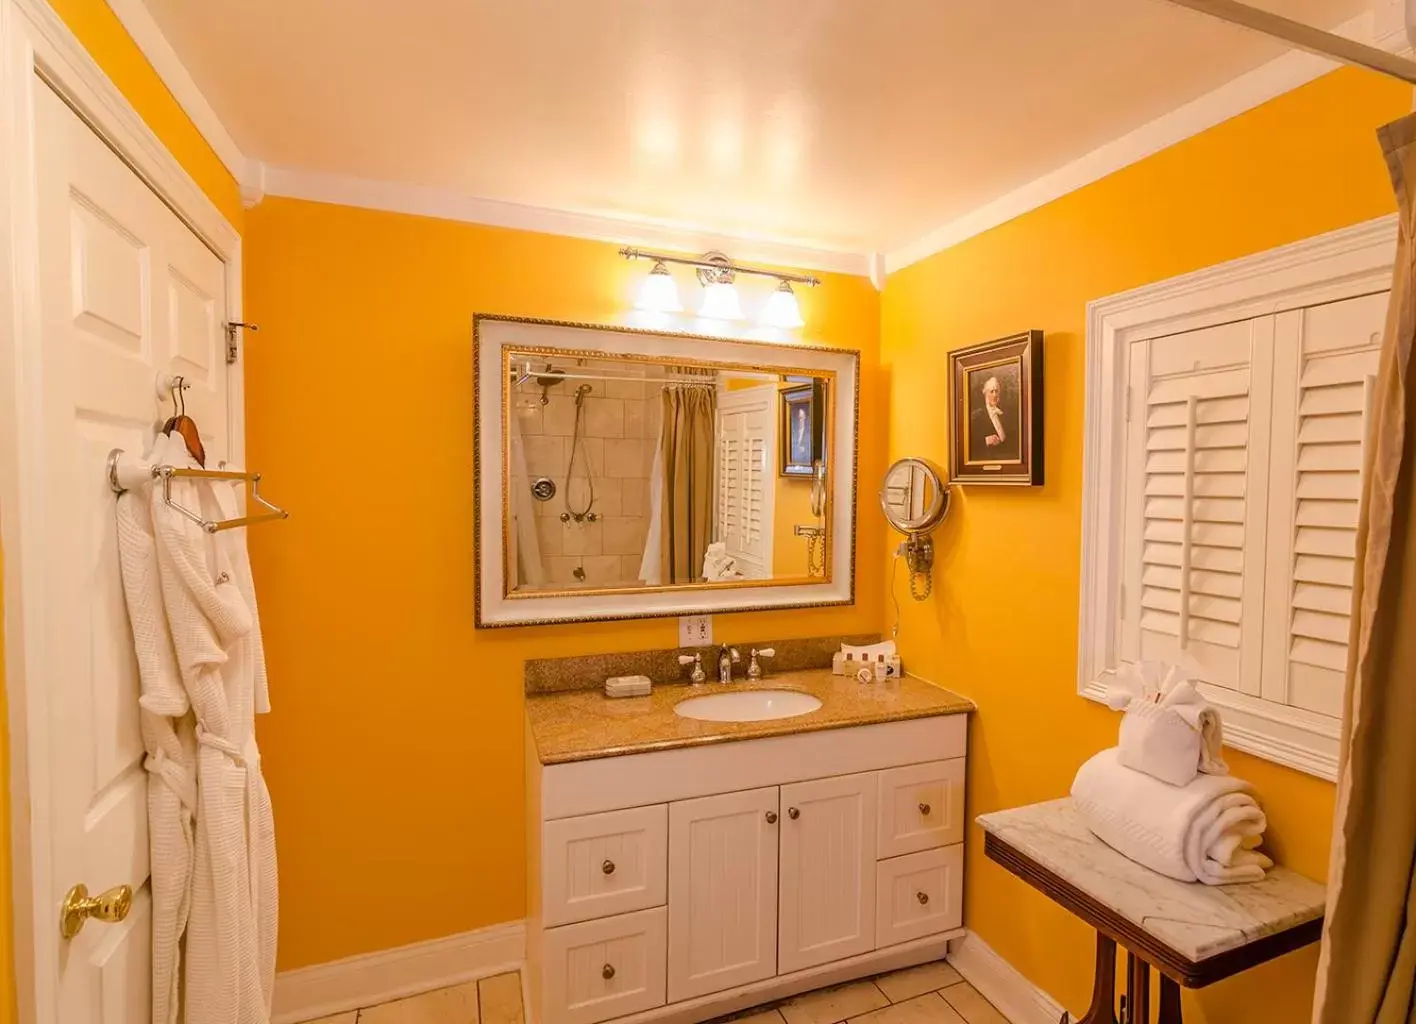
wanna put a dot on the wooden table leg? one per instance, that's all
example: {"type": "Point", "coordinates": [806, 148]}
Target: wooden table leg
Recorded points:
{"type": "Point", "coordinates": [1103, 1004]}
{"type": "Point", "coordinates": [1138, 987]}
{"type": "Point", "coordinates": [1169, 1001]}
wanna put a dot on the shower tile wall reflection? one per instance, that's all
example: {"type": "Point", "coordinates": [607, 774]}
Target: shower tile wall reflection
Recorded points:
{"type": "Point", "coordinates": [613, 458]}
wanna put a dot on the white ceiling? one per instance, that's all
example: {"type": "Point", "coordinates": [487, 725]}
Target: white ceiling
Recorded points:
{"type": "Point", "coordinates": [854, 125]}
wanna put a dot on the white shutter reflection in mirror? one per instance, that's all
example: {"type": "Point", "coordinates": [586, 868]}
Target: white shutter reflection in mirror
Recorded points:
{"type": "Point", "coordinates": [747, 439]}
{"type": "Point", "coordinates": [1196, 480]}
{"type": "Point", "coordinates": [1325, 365]}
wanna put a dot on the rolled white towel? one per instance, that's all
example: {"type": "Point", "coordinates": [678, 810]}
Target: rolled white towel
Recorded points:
{"type": "Point", "coordinates": [1205, 831]}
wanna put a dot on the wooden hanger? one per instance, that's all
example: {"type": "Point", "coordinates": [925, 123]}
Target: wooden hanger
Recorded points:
{"type": "Point", "coordinates": [184, 424]}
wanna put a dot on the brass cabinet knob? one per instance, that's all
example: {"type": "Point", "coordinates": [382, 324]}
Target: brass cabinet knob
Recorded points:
{"type": "Point", "coordinates": [923, 897]}
{"type": "Point", "coordinates": [607, 972]}
{"type": "Point", "coordinates": [608, 867]}
{"type": "Point", "coordinates": [112, 906]}
{"type": "Point", "coordinates": [793, 813]}
{"type": "Point", "coordinates": [924, 808]}
{"type": "Point", "coordinates": [771, 817]}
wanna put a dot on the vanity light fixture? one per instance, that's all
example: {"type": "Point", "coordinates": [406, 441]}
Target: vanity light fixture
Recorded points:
{"type": "Point", "coordinates": [720, 299]}
{"type": "Point", "coordinates": [659, 293]}
{"type": "Point", "coordinates": [782, 309]}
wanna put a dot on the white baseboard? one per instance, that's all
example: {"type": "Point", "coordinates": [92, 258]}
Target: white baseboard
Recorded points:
{"type": "Point", "coordinates": [355, 982]}
{"type": "Point", "coordinates": [1002, 984]}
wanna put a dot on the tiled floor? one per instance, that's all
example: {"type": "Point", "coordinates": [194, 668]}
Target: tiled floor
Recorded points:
{"type": "Point", "coordinates": [932, 993]}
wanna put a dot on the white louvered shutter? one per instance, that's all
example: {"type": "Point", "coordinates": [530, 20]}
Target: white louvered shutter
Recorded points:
{"type": "Point", "coordinates": [1325, 364]}
{"type": "Point", "coordinates": [747, 477]}
{"type": "Point", "coordinates": [1196, 481]}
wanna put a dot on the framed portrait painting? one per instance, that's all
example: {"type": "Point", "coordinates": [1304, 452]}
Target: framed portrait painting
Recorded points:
{"type": "Point", "coordinates": [801, 429]}
{"type": "Point", "coordinates": [995, 399]}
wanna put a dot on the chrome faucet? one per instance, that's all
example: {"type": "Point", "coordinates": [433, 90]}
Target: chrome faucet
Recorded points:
{"type": "Point", "coordinates": [726, 657]}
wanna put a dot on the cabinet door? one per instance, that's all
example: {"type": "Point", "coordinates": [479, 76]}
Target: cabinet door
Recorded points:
{"type": "Point", "coordinates": [722, 892]}
{"type": "Point", "coordinates": [919, 894]}
{"type": "Point", "coordinates": [596, 970]}
{"type": "Point", "coordinates": [921, 807]}
{"type": "Point", "coordinates": [603, 864]}
{"type": "Point", "coordinates": [827, 870]}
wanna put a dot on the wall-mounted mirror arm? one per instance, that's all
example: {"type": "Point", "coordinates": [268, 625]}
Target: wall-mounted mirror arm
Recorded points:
{"type": "Point", "coordinates": [915, 500]}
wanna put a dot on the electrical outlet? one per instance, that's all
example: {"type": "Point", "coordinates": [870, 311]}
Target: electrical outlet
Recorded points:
{"type": "Point", "coordinates": [695, 630]}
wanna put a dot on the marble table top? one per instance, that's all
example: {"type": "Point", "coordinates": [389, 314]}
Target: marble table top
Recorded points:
{"type": "Point", "coordinates": [1198, 921]}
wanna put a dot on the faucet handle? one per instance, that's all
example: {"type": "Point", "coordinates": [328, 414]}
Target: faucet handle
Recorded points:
{"type": "Point", "coordinates": [766, 652]}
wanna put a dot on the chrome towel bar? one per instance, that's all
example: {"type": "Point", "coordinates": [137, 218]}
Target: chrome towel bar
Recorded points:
{"type": "Point", "coordinates": [125, 470]}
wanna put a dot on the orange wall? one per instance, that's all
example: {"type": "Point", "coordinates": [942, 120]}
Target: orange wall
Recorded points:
{"type": "Point", "coordinates": [101, 34]}
{"type": "Point", "coordinates": [394, 750]}
{"type": "Point", "coordinates": [1002, 627]}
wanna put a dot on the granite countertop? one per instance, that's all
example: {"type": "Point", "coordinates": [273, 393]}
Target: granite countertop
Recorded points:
{"type": "Point", "coordinates": [583, 725]}
{"type": "Point", "coordinates": [1198, 921]}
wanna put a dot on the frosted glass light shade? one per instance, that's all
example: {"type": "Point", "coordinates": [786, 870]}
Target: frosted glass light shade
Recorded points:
{"type": "Point", "coordinates": [782, 309]}
{"type": "Point", "coordinates": [659, 293]}
{"type": "Point", "coordinates": [720, 302]}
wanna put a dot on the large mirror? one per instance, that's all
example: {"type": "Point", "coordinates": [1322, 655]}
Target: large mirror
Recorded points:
{"type": "Point", "coordinates": [626, 473]}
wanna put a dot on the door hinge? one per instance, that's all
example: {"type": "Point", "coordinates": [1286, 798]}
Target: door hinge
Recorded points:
{"type": "Point", "coordinates": [231, 328]}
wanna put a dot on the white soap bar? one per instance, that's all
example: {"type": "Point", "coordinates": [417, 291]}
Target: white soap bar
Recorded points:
{"type": "Point", "coordinates": [628, 686]}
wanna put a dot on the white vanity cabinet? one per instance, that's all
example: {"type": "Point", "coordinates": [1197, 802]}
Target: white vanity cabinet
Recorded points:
{"type": "Point", "coordinates": [683, 884]}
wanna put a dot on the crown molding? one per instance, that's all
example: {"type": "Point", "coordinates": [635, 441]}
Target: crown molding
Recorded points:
{"type": "Point", "coordinates": [1249, 90]}
{"type": "Point", "coordinates": [448, 204]}
{"type": "Point", "coordinates": [141, 26]}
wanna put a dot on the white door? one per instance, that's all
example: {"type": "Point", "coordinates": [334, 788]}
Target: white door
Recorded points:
{"type": "Point", "coordinates": [127, 293]}
{"type": "Point", "coordinates": [747, 463]}
{"type": "Point", "coordinates": [722, 892]}
{"type": "Point", "coordinates": [827, 871]}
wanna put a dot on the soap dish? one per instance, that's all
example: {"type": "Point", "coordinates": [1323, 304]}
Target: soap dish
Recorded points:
{"type": "Point", "coordinates": [628, 686]}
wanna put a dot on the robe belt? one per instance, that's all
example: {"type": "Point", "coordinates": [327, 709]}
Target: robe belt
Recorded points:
{"type": "Point", "coordinates": [179, 778]}
{"type": "Point", "coordinates": [247, 759]}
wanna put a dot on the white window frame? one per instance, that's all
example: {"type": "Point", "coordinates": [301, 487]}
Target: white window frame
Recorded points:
{"type": "Point", "coordinates": [1338, 265]}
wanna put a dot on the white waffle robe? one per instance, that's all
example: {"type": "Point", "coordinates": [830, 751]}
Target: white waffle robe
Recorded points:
{"type": "Point", "coordinates": [210, 606]}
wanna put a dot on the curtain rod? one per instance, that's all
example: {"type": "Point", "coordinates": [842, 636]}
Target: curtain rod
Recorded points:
{"type": "Point", "coordinates": [1305, 37]}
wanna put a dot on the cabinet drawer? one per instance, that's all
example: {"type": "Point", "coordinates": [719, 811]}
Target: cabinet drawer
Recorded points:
{"type": "Point", "coordinates": [604, 864]}
{"type": "Point", "coordinates": [596, 970]}
{"type": "Point", "coordinates": [919, 894]}
{"type": "Point", "coordinates": [921, 807]}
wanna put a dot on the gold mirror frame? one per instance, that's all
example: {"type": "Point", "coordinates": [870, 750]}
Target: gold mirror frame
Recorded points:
{"type": "Point", "coordinates": [835, 403]}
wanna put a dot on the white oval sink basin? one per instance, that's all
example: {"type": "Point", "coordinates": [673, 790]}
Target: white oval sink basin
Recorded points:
{"type": "Point", "coordinates": [747, 706]}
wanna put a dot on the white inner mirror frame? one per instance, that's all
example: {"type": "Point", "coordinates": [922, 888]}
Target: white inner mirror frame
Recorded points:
{"type": "Point", "coordinates": [502, 601]}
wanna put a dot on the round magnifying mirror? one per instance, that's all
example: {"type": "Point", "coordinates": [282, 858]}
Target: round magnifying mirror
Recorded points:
{"type": "Point", "coordinates": [913, 497]}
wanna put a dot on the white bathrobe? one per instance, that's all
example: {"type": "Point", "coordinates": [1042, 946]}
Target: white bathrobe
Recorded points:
{"type": "Point", "coordinates": [210, 603]}
{"type": "Point", "coordinates": [169, 735]}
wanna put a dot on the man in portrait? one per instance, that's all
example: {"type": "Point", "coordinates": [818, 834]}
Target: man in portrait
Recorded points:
{"type": "Point", "coordinates": [995, 428]}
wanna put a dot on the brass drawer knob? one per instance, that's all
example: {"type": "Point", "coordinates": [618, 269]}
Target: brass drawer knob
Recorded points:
{"type": "Point", "coordinates": [112, 906]}
{"type": "Point", "coordinates": [923, 898]}
{"type": "Point", "coordinates": [608, 867]}
{"type": "Point", "coordinates": [607, 972]}
{"type": "Point", "coordinates": [924, 808]}
{"type": "Point", "coordinates": [793, 813]}
{"type": "Point", "coordinates": [771, 817]}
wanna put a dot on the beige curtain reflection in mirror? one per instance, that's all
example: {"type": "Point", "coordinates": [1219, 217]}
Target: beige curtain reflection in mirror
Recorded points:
{"type": "Point", "coordinates": [686, 501]}
{"type": "Point", "coordinates": [1367, 971]}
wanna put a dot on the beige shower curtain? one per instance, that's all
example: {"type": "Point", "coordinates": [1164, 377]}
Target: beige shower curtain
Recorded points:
{"type": "Point", "coordinates": [1367, 970]}
{"type": "Point", "coordinates": [686, 506]}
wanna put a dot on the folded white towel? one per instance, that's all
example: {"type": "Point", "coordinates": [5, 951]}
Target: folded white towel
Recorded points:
{"type": "Point", "coordinates": [1169, 730]}
{"type": "Point", "coordinates": [1205, 831]}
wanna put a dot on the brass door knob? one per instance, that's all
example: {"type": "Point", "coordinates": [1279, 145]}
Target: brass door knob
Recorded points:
{"type": "Point", "coordinates": [608, 867]}
{"type": "Point", "coordinates": [924, 808]}
{"type": "Point", "coordinates": [793, 813]}
{"type": "Point", "coordinates": [111, 906]}
{"type": "Point", "coordinates": [923, 897]}
{"type": "Point", "coordinates": [771, 817]}
{"type": "Point", "coordinates": [607, 972]}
